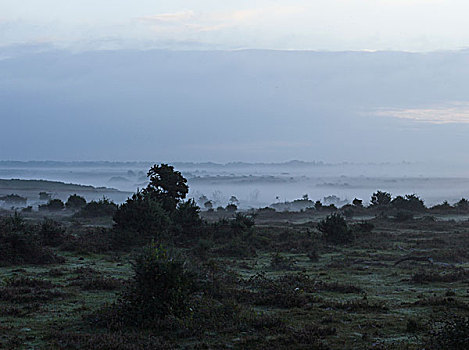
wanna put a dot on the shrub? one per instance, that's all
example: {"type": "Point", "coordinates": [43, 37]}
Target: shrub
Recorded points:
{"type": "Point", "coordinates": [103, 207]}
{"type": "Point", "coordinates": [380, 199]}
{"type": "Point", "coordinates": [242, 223]}
{"type": "Point", "coordinates": [75, 202]}
{"type": "Point", "coordinates": [452, 335]}
{"type": "Point", "coordinates": [14, 199]}
{"type": "Point", "coordinates": [141, 214]}
{"type": "Point", "coordinates": [187, 216]}
{"type": "Point", "coordinates": [231, 208]}
{"type": "Point", "coordinates": [51, 233]}
{"type": "Point", "coordinates": [52, 205]}
{"type": "Point", "coordinates": [20, 245]}
{"type": "Point", "coordinates": [334, 229]}
{"type": "Point", "coordinates": [160, 287]}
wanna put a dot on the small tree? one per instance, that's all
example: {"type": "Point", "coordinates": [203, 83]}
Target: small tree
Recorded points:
{"type": "Point", "coordinates": [233, 200]}
{"type": "Point", "coordinates": [318, 205]}
{"type": "Point", "coordinates": [167, 186]}
{"type": "Point", "coordinates": [380, 199]}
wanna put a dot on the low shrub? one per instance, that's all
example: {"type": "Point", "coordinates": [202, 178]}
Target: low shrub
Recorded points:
{"type": "Point", "coordinates": [52, 205]}
{"type": "Point", "coordinates": [93, 209]}
{"type": "Point", "coordinates": [452, 334]}
{"type": "Point", "coordinates": [334, 229]}
{"type": "Point", "coordinates": [161, 287]}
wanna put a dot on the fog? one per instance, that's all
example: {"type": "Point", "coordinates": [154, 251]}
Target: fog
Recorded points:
{"type": "Point", "coordinates": [258, 185]}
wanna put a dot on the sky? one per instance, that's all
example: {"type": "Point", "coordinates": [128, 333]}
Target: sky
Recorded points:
{"type": "Point", "coordinates": [336, 80]}
{"type": "Point", "coordinates": [334, 25]}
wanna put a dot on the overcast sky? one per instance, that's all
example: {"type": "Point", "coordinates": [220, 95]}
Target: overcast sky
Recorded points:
{"type": "Point", "coordinates": [411, 25]}
{"type": "Point", "coordinates": [144, 80]}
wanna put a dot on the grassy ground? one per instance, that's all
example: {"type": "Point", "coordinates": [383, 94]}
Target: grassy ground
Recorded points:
{"type": "Point", "coordinates": [385, 290]}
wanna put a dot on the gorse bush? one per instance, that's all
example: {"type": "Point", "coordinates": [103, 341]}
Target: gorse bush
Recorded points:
{"type": "Point", "coordinates": [75, 202]}
{"type": "Point", "coordinates": [51, 233]}
{"type": "Point", "coordinates": [21, 244]}
{"type": "Point", "coordinates": [334, 229]}
{"type": "Point", "coordinates": [142, 214]}
{"type": "Point", "coordinates": [452, 335]}
{"type": "Point", "coordinates": [93, 209]}
{"type": "Point", "coordinates": [160, 287]}
{"type": "Point", "coordinates": [187, 216]}
{"type": "Point", "coordinates": [52, 205]}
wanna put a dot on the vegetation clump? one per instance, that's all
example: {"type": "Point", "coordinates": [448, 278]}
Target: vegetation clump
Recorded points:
{"type": "Point", "coordinates": [75, 202]}
{"type": "Point", "coordinates": [52, 205]}
{"type": "Point", "coordinates": [161, 287]}
{"type": "Point", "coordinates": [452, 334]}
{"type": "Point", "coordinates": [334, 229]}
{"type": "Point", "coordinates": [102, 207]}
{"type": "Point", "coordinates": [20, 244]}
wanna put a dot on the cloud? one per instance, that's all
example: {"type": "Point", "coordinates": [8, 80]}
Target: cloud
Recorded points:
{"type": "Point", "coordinates": [457, 112]}
{"type": "Point", "coordinates": [189, 20]}
{"type": "Point", "coordinates": [169, 17]}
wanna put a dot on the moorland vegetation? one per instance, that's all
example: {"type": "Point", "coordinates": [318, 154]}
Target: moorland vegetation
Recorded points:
{"type": "Point", "coordinates": [156, 272]}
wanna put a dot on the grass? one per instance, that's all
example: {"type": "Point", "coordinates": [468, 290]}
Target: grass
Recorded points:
{"type": "Point", "coordinates": [354, 295]}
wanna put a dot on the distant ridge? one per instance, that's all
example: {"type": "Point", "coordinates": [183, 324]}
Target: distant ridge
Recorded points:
{"type": "Point", "coordinates": [147, 164]}
{"type": "Point", "coordinates": [46, 185]}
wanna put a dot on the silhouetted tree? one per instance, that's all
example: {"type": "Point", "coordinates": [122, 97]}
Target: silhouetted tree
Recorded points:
{"type": "Point", "coordinates": [357, 202]}
{"type": "Point", "coordinates": [380, 199]}
{"type": "Point", "coordinates": [166, 186]}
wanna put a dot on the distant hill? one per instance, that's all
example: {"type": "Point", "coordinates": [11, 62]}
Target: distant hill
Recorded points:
{"type": "Point", "coordinates": [44, 185]}
{"type": "Point", "coordinates": [30, 189]}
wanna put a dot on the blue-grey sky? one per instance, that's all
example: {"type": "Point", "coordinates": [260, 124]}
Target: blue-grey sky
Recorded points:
{"type": "Point", "coordinates": [411, 25]}
{"type": "Point", "coordinates": [331, 80]}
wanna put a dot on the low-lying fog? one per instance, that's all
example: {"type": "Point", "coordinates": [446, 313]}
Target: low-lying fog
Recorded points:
{"type": "Point", "coordinates": [258, 185]}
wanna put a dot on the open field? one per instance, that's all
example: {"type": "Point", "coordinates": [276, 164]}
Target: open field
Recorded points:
{"type": "Point", "coordinates": [280, 284]}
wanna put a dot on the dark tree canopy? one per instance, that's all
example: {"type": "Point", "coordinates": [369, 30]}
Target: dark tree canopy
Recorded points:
{"type": "Point", "coordinates": [75, 202]}
{"type": "Point", "coordinates": [380, 198]}
{"type": "Point", "coordinates": [167, 186]}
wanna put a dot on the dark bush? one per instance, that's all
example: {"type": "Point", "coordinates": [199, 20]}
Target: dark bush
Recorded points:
{"type": "Point", "coordinates": [141, 214]}
{"type": "Point", "coordinates": [14, 199]}
{"type": "Point", "coordinates": [160, 287]}
{"type": "Point", "coordinates": [453, 334]}
{"type": "Point", "coordinates": [187, 216]}
{"type": "Point", "coordinates": [334, 229]}
{"type": "Point", "coordinates": [231, 208]}
{"type": "Point", "coordinates": [51, 233]}
{"type": "Point", "coordinates": [52, 205]}
{"type": "Point", "coordinates": [75, 202]}
{"type": "Point", "coordinates": [242, 223]}
{"type": "Point", "coordinates": [93, 209]}
{"type": "Point", "coordinates": [19, 244]}
{"type": "Point", "coordinates": [380, 199]}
